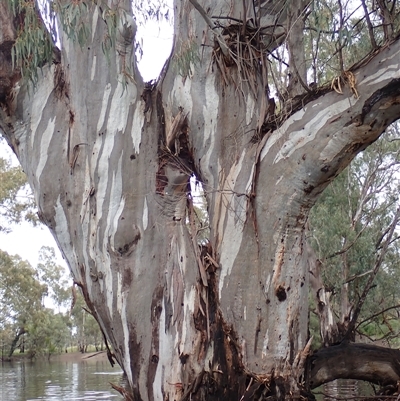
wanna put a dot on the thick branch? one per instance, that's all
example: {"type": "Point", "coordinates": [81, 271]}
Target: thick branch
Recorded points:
{"type": "Point", "coordinates": [367, 362]}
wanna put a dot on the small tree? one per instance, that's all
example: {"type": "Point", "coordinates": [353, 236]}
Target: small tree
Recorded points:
{"type": "Point", "coordinates": [21, 296]}
{"type": "Point", "coordinates": [15, 200]}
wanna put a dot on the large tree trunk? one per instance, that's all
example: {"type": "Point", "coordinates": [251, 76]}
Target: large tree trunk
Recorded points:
{"type": "Point", "coordinates": [109, 159]}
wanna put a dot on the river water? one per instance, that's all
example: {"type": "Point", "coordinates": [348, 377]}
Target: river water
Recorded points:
{"type": "Point", "coordinates": [84, 380]}
{"type": "Point", "coordinates": [89, 380]}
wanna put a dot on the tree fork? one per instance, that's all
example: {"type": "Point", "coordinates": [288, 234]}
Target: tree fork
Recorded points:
{"type": "Point", "coordinates": [122, 226]}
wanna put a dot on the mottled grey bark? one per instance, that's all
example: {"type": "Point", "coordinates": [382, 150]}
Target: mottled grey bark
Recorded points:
{"type": "Point", "coordinates": [321, 295]}
{"type": "Point", "coordinates": [110, 163]}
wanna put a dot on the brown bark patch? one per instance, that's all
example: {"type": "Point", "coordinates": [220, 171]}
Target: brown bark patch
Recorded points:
{"type": "Point", "coordinates": [127, 248]}
{"type": "Point", "coordinates": [156, 309]}
{"type": "Point", "coordinates": [127, 279]}
{"type": "Point", "coordinates": [8, 76]}
{"type": "Point", "coordinates": [389, 91]}
{"type": "Point", "coordinates": [61, 87]}
{"type": "Point", "coordinates": [135, 355]}
{"type": "Point", "coordinates": [280, 293]}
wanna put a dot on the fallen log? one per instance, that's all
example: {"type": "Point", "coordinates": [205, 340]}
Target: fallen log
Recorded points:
{"type": "Point", "coordinates": [378, 365]}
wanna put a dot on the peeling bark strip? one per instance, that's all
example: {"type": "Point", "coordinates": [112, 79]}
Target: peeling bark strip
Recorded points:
{"type": "Point", "coordinates": [109, 159]}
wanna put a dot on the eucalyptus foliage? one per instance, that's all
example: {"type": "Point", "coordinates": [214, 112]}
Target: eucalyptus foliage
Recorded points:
{"type": "Point", "coordinates": [26, 323]}
{"type": "Point", "coordinates": [16, 199]}
{"type": "Point", "coordinates": [348, 224]}
{"type": "Point", "coordinates": [38, 33]}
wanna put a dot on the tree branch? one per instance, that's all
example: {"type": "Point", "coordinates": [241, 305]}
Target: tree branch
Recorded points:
{"type": "Point", "coordinates": [355, 361]}
{"type": "Point", "coordinates": [377, 314]}
{"type": "Point", "coordinates": [378, 263]}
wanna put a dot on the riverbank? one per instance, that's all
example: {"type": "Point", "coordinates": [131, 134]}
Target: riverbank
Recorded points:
{"type": "Point", "coordinates": [78, 356]}
{"type": "Point", "coordinates": [67, 357]}
{"type": "Point", "coordinates": [66, 377]}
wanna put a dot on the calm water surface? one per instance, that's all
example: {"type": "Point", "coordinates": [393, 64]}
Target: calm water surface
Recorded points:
{"type": "Point", "coordinates": [41, 380]}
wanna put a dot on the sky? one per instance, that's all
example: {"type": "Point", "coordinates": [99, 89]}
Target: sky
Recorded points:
{"type": "Point", "coordinates": [26, 240]}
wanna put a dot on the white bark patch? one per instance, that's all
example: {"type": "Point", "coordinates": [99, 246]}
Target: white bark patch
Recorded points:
{"type": "Point", "coordinates": [145, 214]}
{"type": "Point", "coordinates": [210, 115]}
{"type": "Point", "coordinates": [117, 203]}
{"type": "Point", "coordinates": [85, 217]}
{"type": "Point", "coordinates": [119, 293]}
{"type": "Point", "coordinates": [189, 302]}
{"type": "Point", "coordinates": [103, 264]}
{"type": "Point", "coordinates": [94, 21]}
{"type": "Point", "coordinates": [335, 145]}
{"type": "Point", "coordinates": [182, 253]}
{"type": "Point", "coordinates": [165, 366]}
{"type": "Point", "coordinates": [392, 56]}
{"type": "Point", "coordinates": [93, 72]}
{"type": "Point", "coordinates": [264, 352]}
{"type": "Point", "coordinates": [267, 283]}
{"type": "Point", "coordinates": [180, 95]}
{"type": "Point", "coordinates": [104, 105]}
{"type": "Point", "coordinates": [249, 184]}
{"type": "Point", "coordinates": [138, 122]}
{"type": "Point", "coordinates": [121, 101]}
{"type": "Point", "coordinates": [127, 356]}
{"type": "Point", "coordinates": [250, 104]}
{"type": "Point", "coordinates": [280, 132]}
{"type": "Point", "coordinates": [383, 74]}
{"type": "Point", "coordinates": [42, 95]}
{"type": "Point", "coordinates": [44, 146]}
{"type": "Point", "coordinates": [298, 139]}
{"type": "Point", "coordinates": [231, 228]}
{"type": "Point", "coordinates": [62, 233]}
{"type": "Point", "coordinates": [278, 261]}
{"type": "Point", "coordinates": [102, 169]}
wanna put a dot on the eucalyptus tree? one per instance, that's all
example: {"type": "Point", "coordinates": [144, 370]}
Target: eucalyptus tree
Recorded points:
{"type": "Point", "coordinates": [55, 277]}
{"type": "Point", "coordinates": [21, 296]}
{"type": "Point", "coordinates": [23, 316]}
{"type": "Point", "coordinates": [87, 331]}
{"type": "Point", "coordinates": [15, 200]}
{"type": "Point", "coordinates": [109, 158]}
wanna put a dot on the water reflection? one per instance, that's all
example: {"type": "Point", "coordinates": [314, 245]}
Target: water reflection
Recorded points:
{"type": "Point", "coordinates": [341, 389]}
{"type": "Point", "coordinates": [39, 380]}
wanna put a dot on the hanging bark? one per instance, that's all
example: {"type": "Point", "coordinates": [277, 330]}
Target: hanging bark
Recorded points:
{"type": "Point", "coordinates": [109, 159]}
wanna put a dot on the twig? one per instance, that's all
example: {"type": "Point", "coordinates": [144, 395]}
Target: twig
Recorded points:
{"type": "Point", "coordinates": [352, 278]}
{"type": "Point", "coordinates": [91, 356]}
{"type": "Point", "coordinates": [377, 314]}
{"type": "Point", "coordinates": [369, 25]}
